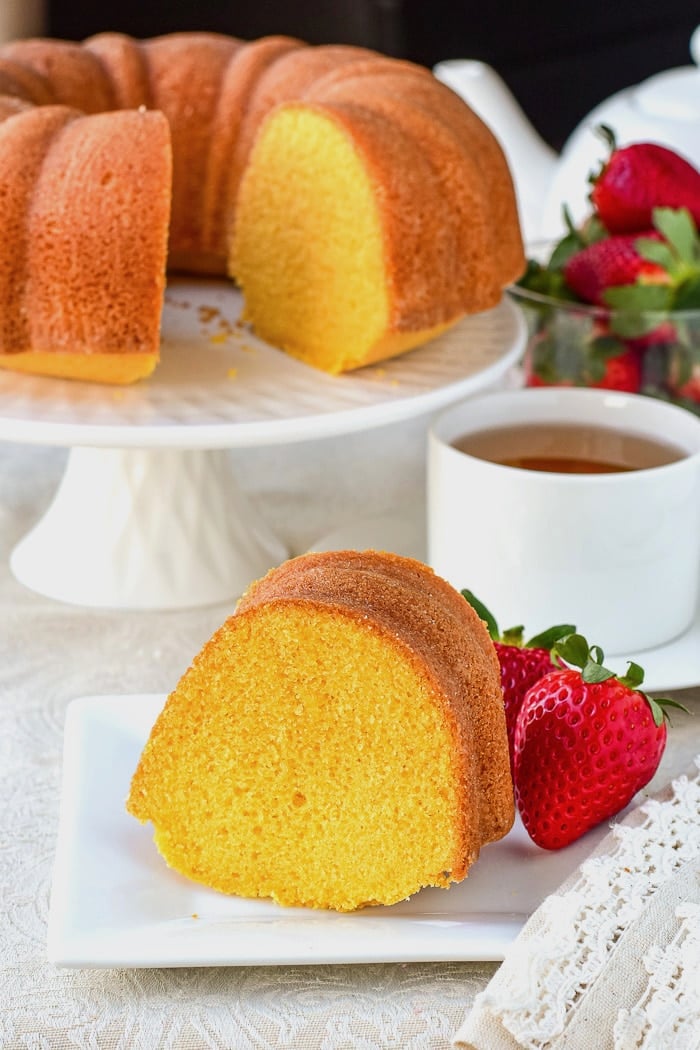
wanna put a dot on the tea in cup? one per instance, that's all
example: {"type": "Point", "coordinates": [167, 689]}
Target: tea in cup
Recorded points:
{"type": "Point", "coordinates": [572, 506]}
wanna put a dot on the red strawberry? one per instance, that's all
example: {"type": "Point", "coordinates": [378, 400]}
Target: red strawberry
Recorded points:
{"type": "Point", "coordinates": [639, 178]}
{"type": "Point", "coordinates": [586, 742]}
{"type": "Point", "coordinates": [521, 667]}
{"type": "Point", "coordinates": [602, 360]}
{"type": "Point", "coordinates": [663, 334]}
{"type": "Point", "coordinates": [534, 379]}
{"type": "Point", "coordinates": [622, 372]}
{"type": "Point", "coordinates": [522, 663]}
{"type": "Point", "coordinates": [689, 387]}
{"type": "Point", "coordinates": [608, 263]}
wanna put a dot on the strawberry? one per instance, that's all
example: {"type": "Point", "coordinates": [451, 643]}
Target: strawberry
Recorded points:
{"type": "Point", "coordinates": [586, 741]}
{"type": "Point", "coordinates": [622, 372]}
{"type": "Point", "coordinates": [691, 389]}
{"type": "Point", "coordinates": [603, 361]}
{"type": "Point", "coordinates": [522, 663]}
{"type": "Point", "coordinates": [686, 384]}
{"type": "Point", "coordinates": [663, 334]}
{"type": "Point", "coordinates": [638, 178]}
{"type": "Point", "coordinates": [608, 263]}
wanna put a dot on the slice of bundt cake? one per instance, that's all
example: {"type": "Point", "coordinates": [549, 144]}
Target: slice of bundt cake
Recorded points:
{"type": "Point", "coordinates": [339, 742]}
{"type": "Point", "coordinates": [84, 208]}
{"type": "Point", "coordinates": [374, 212]}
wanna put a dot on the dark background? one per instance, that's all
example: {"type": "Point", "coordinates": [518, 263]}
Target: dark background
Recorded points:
{"type": "Point", "coordinates": [559, 59]}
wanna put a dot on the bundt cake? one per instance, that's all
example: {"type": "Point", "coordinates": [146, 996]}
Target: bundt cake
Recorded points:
{"type": "Point", "coordinates": [339, 742]}
{"type": "Point", "coordinates": [360, 205]}
{"type": "Point", "coordinates": [84, 206]}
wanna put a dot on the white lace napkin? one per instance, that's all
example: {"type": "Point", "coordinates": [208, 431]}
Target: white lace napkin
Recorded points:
{"type": "Point", "coordinates": [611, 961]}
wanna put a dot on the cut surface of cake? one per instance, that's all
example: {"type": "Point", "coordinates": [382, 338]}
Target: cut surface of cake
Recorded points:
{"type": "Point", "coordinates": [339, 742]}
{"type": "Point", "coordinates": [361, 205]}
{"type": "Point", "coordinates": [322, 286]}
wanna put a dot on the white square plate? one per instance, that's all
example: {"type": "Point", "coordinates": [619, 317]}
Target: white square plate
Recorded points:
{"type": "Point", "coordinates": [115, 903]}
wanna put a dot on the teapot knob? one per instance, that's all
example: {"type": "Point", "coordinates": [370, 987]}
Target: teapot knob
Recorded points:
{"type": "Point", "coordinates": [695, 46]}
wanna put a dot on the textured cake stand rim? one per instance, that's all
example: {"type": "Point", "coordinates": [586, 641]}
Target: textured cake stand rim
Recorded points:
{"type": "Point", "coordinates": [175, 413]}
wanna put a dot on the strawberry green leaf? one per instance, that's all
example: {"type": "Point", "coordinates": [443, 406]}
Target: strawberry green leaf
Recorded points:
{"type": "Point", "coordinates": [633, 677]}
{"type": "Point", "coordinates": [593, 230]}
{"type": "Point", "coordinates": [547, 639]}
{"type": "Point", "coordinates": [682, 365]}
{"type": "Point", "coordinates": [600, 351]}
{"type": "Point", "coordinates": [563, 251]}
{"type": "Point", "coordinates": [594, 672]}
{"type": "Point", "coordinates": [545, 360]}
{"type": "Point", "coordinates": [638, 308]}
{"type": "Point", "coordinates": [595, 369]}
{"type": "Point", "coordinates": [657, 711]}
{"type": "Point", "coordinates": [606, 133]}
{"type": "Point", "coordinates": [573, 649]}
{"type": "Point", "coordinates": [485, 614]}
{"type": "Point", "coordinates": [633, 326]}
{"type": "Point", "coordinates": [638, 298]}
{"type": "Point", "coordinates": [656, 252]}
{"type": "Point", "coordinates": [569, 221]}
{"type": "Point", "coordinates": [687, 294]}
{"type": "Point", "coordinates": [513, 635]}
{"type": "Point", "coordinates": [541, 279]}
{"type": "Point", "coordinates": [658, 707]}
{"type": "Point", "coordinates": [677, 226]}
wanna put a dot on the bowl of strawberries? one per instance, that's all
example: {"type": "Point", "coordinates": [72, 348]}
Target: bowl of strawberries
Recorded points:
{"type": "Point", "coordinates": [616, 302]}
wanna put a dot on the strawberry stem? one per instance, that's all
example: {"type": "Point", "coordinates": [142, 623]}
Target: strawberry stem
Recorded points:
{"type": "Point", "coordinates": [485, 614]}
{"type": "Point", "coordinates": [514, 635]}
{"type": "Point", "coordinates": [575, 650]}
{"type": "Point", "coordinates": [606, 133]}
{"type": "Point", "coordinates": [548, 639]}
{"type": "Point", "coordinates": [658, 707]}
{"type": "Point", "coordinates": [634, 676]}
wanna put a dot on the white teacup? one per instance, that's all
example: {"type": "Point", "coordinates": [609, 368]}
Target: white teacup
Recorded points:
{"type": "Point", "coordinates": [616, 554]}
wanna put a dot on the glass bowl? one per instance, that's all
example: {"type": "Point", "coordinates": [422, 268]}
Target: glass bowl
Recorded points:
{"type": "Point", "coordinates": [574, 344]}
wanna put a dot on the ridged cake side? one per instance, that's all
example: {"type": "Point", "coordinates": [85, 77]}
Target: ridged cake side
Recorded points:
{"type": "Point", "coordinates": [444, 230]}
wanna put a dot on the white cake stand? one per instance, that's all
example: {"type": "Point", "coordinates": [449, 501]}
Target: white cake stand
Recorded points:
{"type": "Point", "coordinates": [147, 514]}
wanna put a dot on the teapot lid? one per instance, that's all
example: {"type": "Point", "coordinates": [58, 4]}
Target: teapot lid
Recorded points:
{"type": "Point", "coordinates": [671, 95]}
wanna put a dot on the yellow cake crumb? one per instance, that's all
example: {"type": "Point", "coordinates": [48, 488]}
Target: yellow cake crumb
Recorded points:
{"type": "Point", "coordinates": [339, 742]}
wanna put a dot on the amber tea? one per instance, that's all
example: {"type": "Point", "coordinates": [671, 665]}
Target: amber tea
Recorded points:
{"type": "Point", "coordinates": [568, 448]}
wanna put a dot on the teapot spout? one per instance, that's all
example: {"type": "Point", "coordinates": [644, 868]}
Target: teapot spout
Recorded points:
{"type": "Point", "coordinates": [532, 162]}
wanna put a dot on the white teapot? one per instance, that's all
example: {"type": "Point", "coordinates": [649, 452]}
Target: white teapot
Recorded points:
{"type": "Point", "coordinates": [663, 109]}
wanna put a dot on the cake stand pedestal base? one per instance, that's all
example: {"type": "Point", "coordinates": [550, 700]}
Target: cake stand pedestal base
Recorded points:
{"type": "Point", "coordinates": [146, 529]}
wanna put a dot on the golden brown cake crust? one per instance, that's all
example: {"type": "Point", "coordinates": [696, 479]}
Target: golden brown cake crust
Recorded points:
{"type": "Point", "coordinates": [125, 64]}
{"type": "Point", "coordinates": [350, 702]}
{"type": "Point", "coordinates": [74, 282]}
{"type": "Point", "coordinates": [423, 612]}
{"type": "Point", "coordinates": [75, 75]}
{"type": "Point", "coordinates": [469, 171]}
{"type": "Point", "coordinates": [451, 236]}
{"type": "Point", "coordinates": [214, 87]}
